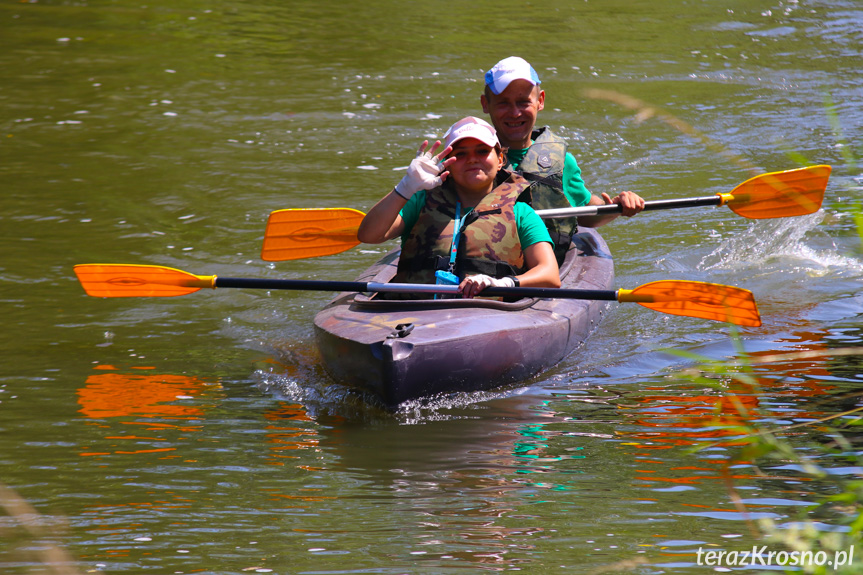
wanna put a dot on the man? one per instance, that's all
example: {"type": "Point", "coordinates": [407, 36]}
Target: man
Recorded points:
{"type": "Point", "coordinates": [513, 99]}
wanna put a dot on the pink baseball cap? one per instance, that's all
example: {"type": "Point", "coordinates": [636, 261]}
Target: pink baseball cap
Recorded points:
{"type": "Point", "coordinates": [471, 127]}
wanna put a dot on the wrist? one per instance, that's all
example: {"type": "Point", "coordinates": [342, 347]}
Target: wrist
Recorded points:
{"type": "Point", "coordinates": [514, 280]}
{"type": "Point", "coordinates": [401, 195]}
{"type": "Point", "coordinates": [405, 189]}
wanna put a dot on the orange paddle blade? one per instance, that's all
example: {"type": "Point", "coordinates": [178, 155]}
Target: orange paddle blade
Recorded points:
{"type": "Point", "coordinates": [127, 280]}
{"type": "Point", "coordinates": [696, 299]}
{"type": "Point", "coordinates": [298, 234]}
{"type": "Point", "coordinates": [780, 194]}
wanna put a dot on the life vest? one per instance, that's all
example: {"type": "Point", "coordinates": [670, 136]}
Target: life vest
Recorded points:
{"type": "Point", "coordinates": [542, 166]}
{"type": "Point", "coordinates": [488, 242]}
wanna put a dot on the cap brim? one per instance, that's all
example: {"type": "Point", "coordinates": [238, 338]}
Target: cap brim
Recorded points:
{"type": "Point", "coordinates": [487, 141]}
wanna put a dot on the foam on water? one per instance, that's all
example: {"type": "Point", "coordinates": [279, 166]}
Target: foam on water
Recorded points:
{"type": "Point", "coordinates": [767, 242]}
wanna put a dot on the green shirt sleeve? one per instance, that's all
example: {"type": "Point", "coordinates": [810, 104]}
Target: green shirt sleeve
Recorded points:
{"type": "Point", "coordinates": [410, 212]}
{"type": "Point", "coordinates": [531, 228]}
{"type": "Point", "coordinates": [573, 186]}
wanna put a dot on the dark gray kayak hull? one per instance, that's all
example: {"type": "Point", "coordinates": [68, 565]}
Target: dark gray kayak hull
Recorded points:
{"type": "Point", "coordinates": [403, 350]}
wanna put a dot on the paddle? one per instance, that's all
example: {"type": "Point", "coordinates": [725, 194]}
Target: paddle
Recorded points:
{"type": "Point", "coordinates": [295, 234]}
{"type": "Point", "coordinates": [676, 297]}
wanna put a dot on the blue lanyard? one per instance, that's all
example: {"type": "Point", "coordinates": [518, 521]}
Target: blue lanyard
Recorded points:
{"type": "Point", "coordinates": [455, 234]}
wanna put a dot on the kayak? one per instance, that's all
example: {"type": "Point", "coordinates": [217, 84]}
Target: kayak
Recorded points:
{"type": "Point", "coordinates": [400, 350]}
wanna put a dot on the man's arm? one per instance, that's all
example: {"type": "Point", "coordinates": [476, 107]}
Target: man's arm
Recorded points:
{"type": "Point", "coordinates": [632, 204]}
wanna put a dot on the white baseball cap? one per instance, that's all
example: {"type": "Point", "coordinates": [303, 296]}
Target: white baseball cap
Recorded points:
{"type": "Point", "coordinates": [507, 70]}
{"type": "Point", "coordinates": [471, 127]}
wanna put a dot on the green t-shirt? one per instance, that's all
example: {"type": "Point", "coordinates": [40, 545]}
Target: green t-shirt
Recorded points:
{"type": "Point", "coordinates": [531, 228]}
{"type": "Point", "coordinates": [573, 186]}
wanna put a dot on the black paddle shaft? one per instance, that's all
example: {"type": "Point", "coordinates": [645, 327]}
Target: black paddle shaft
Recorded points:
{"type": "Point", "coordinates": [714, 200]}
{"type": "Point", "coordinates": [343, 286]}
{"type": "Point", "coordinates": [283, 284]}
{"type": "Point", "coordinates": [558, 213]}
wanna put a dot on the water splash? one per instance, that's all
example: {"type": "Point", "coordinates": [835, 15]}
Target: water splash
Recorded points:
{"type": "Point", "coordinates": [779, 244]}
{"type": "Point", "coordinates": [319, 396]}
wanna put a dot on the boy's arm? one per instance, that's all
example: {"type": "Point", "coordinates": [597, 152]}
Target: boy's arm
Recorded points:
{"type": "Point", "coordinates": [383, 222]}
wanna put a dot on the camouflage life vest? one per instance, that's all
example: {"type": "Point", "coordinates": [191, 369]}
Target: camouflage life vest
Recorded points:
{"type": "Point", "coordinates": [488, 243]}
{"type": "Point", "coordinates": [542, 166]}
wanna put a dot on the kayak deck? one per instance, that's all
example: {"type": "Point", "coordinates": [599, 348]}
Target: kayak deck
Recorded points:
{"type": "Point", "coordinates": [400, 350]}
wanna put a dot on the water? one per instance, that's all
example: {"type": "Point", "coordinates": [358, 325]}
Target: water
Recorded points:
{"type": "Point", "coordinates": [200, 434]}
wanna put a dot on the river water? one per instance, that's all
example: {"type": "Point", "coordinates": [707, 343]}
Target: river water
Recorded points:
{"type": "Point", "coordinates": [200, 434]}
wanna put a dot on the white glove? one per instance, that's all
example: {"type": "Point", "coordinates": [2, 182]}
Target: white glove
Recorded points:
{"type": "Point", "coordinates": [424, 173]}
{"type": "Point", "coordinates": [475, 284]}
